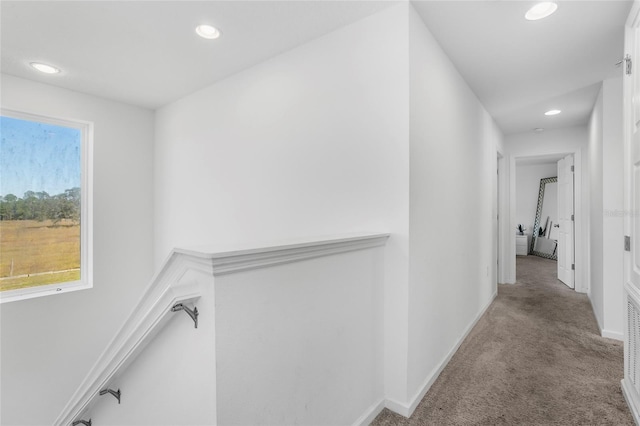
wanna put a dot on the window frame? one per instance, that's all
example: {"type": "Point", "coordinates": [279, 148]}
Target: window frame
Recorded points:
{"type": "Point", "coordinates": [86, 210]}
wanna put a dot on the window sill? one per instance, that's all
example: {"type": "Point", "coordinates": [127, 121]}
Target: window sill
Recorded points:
{"type": "Point", "coordinates": [40, 291]}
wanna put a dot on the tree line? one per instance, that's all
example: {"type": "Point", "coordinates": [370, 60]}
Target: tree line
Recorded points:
{"type": "Point", "coordinates": [41, 206]}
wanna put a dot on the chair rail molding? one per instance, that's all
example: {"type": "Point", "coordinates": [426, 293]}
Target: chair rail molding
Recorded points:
{"type": "Point", "coordinates": [226, 260]}
{"type": "Point", "coordinates": [173, 284]}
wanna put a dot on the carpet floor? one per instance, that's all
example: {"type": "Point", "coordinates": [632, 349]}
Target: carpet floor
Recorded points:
{"type": "Point", "coordinates": [534, 358]}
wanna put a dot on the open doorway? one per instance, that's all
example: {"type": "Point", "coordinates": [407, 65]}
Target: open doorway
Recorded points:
{"type": "Point", "coordinates": [544, 190]}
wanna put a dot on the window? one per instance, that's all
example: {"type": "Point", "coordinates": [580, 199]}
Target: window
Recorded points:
{"type": "Point", "coordinates": [45, 206]}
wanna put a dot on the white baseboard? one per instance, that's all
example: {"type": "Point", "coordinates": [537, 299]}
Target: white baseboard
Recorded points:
{"type": "Point", "coordinates": [397, 407]}
{"type": "Point", "coordinates": [616, 335]}
{"type": "Point", "coordinates": [631, 401]}
{"type": "Point", "coordinates": [407, 410]}
{"type": "Point", "coordinates": [612, 335]}
{"type": "Point", "coordinates": [593, 309]}
{"type": "Point", "coordinates": [370, 413]}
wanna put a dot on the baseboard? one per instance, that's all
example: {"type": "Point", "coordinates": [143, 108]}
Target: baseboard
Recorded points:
{"type": "Point", "coordinates": [407, 410]}
{"type": "Point", "coordinates": [631, 401]}
{"type": "Point", "coordinates": [370, 413]}
{"type": "Point", "coordinates": [397, 407]}
{"type": "Point", "coordinates": [612, 335]}
{"type": "Point", "coordinates": [606, 333]}
{"type": "Point", "coordinates": [595, 315]}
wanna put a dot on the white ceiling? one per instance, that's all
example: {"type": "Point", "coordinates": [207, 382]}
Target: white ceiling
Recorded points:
{"type": "Point", "coordinates": [519, 69]}
{"type": "Point", "coordinates": [146, 52]}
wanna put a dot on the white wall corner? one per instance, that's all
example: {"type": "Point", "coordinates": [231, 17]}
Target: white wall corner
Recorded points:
{"type": "Point", "coordinates": [407, 410]}
{"type": "Point", "coordinates": [398, 407]}
{"type": "Point", "coordinates": [595, 314]}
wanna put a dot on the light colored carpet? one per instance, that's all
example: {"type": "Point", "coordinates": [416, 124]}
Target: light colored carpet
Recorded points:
{"type": "Point", "coordinates": [534, 358]}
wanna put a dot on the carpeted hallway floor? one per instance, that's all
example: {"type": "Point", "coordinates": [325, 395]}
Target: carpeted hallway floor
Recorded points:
{"type": "Point", "coordinates": [534, 358]}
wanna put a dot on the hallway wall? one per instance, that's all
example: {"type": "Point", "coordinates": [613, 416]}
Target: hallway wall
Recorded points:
{"type": "Point", "coordinates": [452, 273]}
{"type": "Point", "coordinates": [309, 143]}
{"type": "Point", "coordinates": [613, 205]}
{"type": "Point", "coordinates": [606, 162]}
{"type": "Point", "coordinates": [50, 343]}
{"type": "Point", "coordinates": [595, 247]}
{"type": "Point", "coordinates": [318, 140]}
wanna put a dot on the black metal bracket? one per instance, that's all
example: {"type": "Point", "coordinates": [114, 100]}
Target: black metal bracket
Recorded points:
{"type": "Point", "coordinates": [192, 313]}
{"type": "Point", "coordinates": [81, 422]}
{"type": "Point", "coordinates": [116, 394]}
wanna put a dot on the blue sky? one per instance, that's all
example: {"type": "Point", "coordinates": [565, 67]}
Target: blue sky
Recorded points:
{"type": "Point", "coordinates": [38, 157]}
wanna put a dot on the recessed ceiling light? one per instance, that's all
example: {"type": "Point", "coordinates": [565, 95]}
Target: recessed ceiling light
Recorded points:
{"type": "Point", "coordinates": [553, 112]}
{"type": "Point", "coordinates": [47, 69]}
{"type": "Point", "coordinates": [207, 31]}
{"type": "Point", "coordinates": [541, 10]}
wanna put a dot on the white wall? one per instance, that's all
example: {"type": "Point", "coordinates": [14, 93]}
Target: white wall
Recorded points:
{"type": "Point", "coordinates": [49, 344]}
{"type": "Point", "coordinates": [298, 342]}
{"type": "Point", "coordinates": [596, 288]}
{"type": "Point", "coordinates": [606, 161]}
{"type": "Point", "coordinates": [549, 143]}
{"type": "Point", "coordinates": [613, 204]}
{"type": "Point", "coordinates": [311, 142]}
{"type": "Point", "coordinates": [527, 189]}
{"type": "Point", "coordinates": [316, 141]}
{"type": "Point", "coordinates": [161, 386]}
{"type": "Point", "coordinates": [301, 343]}
{"type": "Point", "coordinates": [454, 144]}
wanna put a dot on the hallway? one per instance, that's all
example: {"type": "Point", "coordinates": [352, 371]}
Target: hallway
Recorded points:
{"type": "Point", "coordinates": [535, 357]}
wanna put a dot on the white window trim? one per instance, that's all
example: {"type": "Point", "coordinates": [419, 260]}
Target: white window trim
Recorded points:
{"type": "Point", "coordinates": [86, 211]}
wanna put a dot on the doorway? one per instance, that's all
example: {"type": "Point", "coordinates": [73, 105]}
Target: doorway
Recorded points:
{"type": "Point", "coordinates": [545, 211]}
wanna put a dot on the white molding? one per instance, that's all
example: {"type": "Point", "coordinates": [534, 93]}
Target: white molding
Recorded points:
{"type": "Point", "coordinates": [148, 317]}
{"type": "Point", "coordinates": [593, 309]}
{"type": "Point", "coordinates": [225, 261]}
{"type": "Point", "coordinates": [398, 407]}
{"type": "Point", "coordinates": [616, 335]}
{"type": "Point", "coordinates": [631, 398]}
{"type": "Point", "coordinates": [170, 286]}
{"type": "Point", "coordinates": [407, 410]}
{"type": "Point", "coordinates": [370, 414]}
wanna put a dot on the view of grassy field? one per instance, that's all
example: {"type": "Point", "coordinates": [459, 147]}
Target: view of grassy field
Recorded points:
{"type": "Point", "coordinates": [32, 253]}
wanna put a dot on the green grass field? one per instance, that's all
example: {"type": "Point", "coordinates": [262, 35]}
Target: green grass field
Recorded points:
{"type": "Point", "coordinates": [30, 247]}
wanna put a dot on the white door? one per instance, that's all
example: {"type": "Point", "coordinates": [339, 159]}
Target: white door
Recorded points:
{"type": "Point", "coordinates": [632, 154]}
{"type": "Point", "coordinates": [566, 269]}
{"type": "Point", "coordinates": [631, 113]}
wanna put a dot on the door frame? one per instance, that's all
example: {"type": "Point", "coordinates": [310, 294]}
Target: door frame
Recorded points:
{"type": "Point", "coordinates": [580, 237]}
